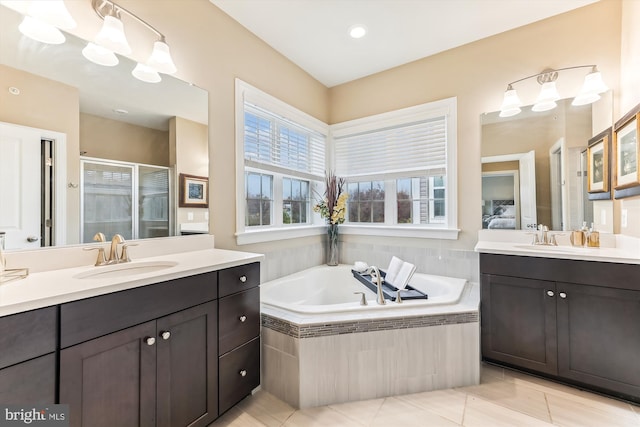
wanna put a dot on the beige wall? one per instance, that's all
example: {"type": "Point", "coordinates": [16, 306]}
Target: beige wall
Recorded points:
{"type": "Point", "coordinates": [50, 105]}
{"type": "Point", "coordinates": [189, 142]}
{"type": "Point", "coordinates": [629, 98]}
{"type": "Point", "coordinates": [478, 73]}
{"type": "Point", "coordinates": [114, 140]}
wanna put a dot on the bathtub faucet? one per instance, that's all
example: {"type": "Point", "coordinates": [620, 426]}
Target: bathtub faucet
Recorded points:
{"type": "Point", "coordinates": [374, 270]}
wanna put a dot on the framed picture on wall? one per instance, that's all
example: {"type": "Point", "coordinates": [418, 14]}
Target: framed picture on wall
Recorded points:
{"type": "Point", "coordinates": [194, 191]}
{"type": "Point", "coordinates": [598, 163]}
{"type": "Point", "coordinates": [626, 150]}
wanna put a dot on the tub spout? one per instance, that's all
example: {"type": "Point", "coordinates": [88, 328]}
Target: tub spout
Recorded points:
{"type": "Point", "coordinates": [378, 280]}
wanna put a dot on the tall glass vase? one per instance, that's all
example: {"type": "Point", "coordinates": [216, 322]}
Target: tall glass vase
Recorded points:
{"type": "Point", "coordinates": [332, 245]}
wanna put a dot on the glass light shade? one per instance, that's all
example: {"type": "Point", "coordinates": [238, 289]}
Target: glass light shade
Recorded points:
{"type": "Point", "coordinates": [510, 104]}
{"type": "Point", "coordinates": [111, 36]}
{"type": "Point", "coordinates": [585, 98]}
{"type": "Point", "coordinates": [41, 31]}
{"type": "Point", "coordinates": [160, 58]}
{"type": "Point", "coordinates": [146, 74]}
{"type": "Point", "coordinates": [99, 55]}
{"type": "Point", "coordinates": [593, 83]}
{"type": "Point", "coordinates": [53, 12]}
{"type": "Point", "coordinates": [547, 98]}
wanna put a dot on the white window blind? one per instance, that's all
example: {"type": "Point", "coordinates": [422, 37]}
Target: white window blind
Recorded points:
{"type": "Point", "coordinates": [274, 143]}
{"type": "Point", "coordinates": [416, 146]}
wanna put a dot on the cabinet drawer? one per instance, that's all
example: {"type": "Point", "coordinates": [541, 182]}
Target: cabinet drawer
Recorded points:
{"type": "Point", "coordinates": [233, 384]}
{"type": "Point", "coordinates": [24, 336]}
{"type": "Point", "coordinates": [239, 319]}
{"type": "Point", "coordinates": [32, 382]}
{"type": "Point", "coordinates": [240, 278]}
{"type": "Point", "coordinates": [93, 317]}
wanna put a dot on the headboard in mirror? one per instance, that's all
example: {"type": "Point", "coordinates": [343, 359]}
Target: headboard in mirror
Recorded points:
{"type": "Point", "coordinates": [538, 161]}
{"type": "Point", "coordinates": [147, 131]}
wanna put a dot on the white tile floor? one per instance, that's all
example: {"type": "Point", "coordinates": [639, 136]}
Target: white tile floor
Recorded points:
{"type": "Point", "coordinates": [504, 398]}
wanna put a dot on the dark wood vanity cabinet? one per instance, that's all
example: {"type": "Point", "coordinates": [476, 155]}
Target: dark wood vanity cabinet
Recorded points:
{"type": "Point", "coordinates": [576, 321]}
{"type": "Point", "coordinates": [171, 354]}
{"type": "Point", "coordinates": [162, 372]}
{"type": "Point", "coordinates": [27, 351]}
{"type": "Point", "coordinates": [239, 331]}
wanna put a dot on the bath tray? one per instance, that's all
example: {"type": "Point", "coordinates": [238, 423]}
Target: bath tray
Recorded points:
{"type": "Point", "coordinates": [388, 290]}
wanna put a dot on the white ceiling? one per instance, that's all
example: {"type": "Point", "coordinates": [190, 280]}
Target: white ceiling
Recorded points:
{"type": "Point", "coordinates": [314, 33]}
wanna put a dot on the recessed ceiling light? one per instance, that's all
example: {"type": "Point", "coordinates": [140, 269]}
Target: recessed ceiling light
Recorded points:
{"type": "Point", "coordinates": [357, 31]}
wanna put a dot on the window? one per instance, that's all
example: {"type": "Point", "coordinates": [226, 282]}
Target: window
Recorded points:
{"type": "Point", "coordinates": [400, 169]}
{"type": "Point", "coordinates": [282, 153]}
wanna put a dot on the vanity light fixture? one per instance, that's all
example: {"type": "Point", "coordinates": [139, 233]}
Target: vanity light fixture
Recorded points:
{"type": "Point", "coordinates": [591, 89]}
{"type": "Point", "coordinates": [44, 20]}
{"type": "Point", "coordinates": [111, 38]}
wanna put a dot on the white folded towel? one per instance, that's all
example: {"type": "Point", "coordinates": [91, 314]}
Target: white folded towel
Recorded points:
{"type": "Point", "coordinates": [394, 268]}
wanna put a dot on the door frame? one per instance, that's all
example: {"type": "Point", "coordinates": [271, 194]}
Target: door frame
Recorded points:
{"type": "Point", "coordinates": [60, 179]}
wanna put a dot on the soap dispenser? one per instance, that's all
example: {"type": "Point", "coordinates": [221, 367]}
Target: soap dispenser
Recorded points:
{"type": "Point", "coordinates": [593, 239]}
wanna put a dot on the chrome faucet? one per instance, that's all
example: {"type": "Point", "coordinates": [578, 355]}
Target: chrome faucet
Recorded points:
{"type": "Point", "coordinates": [114, 258]}
{"type": "Point", "coordinates": [374, 270]}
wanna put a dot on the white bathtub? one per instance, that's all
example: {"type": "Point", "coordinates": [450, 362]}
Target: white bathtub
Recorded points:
{"type": "Point", "coordinates": [320, 346]}
{"type": "Point", "coordinates": [325, 289]}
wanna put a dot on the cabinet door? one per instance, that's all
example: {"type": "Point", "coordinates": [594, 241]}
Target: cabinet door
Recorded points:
{"type": "Point", "coordinates": [110, 381]}
{"type": "Point", "coordinates": [188, 367]}
{"type": "Point", "coordinates": [40, 388]}
{"type": "Point", "coordinates": [599, 337]}
{"type": "Point", "coordinates": [518, 322]}
{"type": "Point", "coordinates": [239, 373]}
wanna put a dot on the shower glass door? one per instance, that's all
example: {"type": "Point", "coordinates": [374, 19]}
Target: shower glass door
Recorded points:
{"type": "Point", "coordinates": [109, 190]}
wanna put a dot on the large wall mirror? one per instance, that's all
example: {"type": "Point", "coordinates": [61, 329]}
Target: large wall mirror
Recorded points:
{"type": "Point", "coordinates": [109, 148]}
{"type": "Point", "coordinates": [534, 166]}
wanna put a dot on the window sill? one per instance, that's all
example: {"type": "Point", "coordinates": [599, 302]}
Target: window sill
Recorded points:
{"type": "Point", "coordinates": [283, 233]}
{"type": "Point", "coordinates": [401, 231]}
{"type": "Point", "coordinates": [268, 235]}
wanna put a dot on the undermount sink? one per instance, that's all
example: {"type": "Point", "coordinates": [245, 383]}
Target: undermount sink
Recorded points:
{"type": "Point", "coordinates": [126, 269]}
{"type": "Point", "coordinates": [551, 248]}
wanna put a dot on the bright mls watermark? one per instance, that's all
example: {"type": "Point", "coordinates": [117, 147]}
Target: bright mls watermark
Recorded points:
{"type": "Point", "coordinates": [34, 415]}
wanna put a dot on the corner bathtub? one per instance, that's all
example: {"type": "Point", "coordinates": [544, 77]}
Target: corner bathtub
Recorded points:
{"type": "Point", "coordinates": [320, 346]}
{"type": "Point", "coordinates": [325, 290]}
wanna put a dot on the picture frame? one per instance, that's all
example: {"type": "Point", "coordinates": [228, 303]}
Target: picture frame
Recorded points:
{"type": "Point", "coordinates": [194, 191]}
{"type": "Point", "coordinates": [599, 166]}
{"type": "Point", "coordinates": [626, 149]}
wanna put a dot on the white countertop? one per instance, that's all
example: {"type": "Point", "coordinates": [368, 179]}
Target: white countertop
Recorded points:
{"type": "Point", "coordinates": [614, 248]}
{"type": "Point", "coordinates": [52, 287]}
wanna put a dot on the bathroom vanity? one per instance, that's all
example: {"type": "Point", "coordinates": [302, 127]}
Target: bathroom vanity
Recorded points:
{"type": "Point", "coordinates": [572, 316]}
{"type": "Point", "coordinates": [175, 348]}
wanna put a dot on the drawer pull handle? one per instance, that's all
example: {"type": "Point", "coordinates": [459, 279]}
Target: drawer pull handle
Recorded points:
{"type": "Point", "coordinates": [563, 295]}
{"type": "Point", "coordinates": [165, 335]}
{"type": "Point", "coordinates": [550, 293]}
{"type": "Point", "coordinates": [243, 279]}
{"type": "Point", "coordinates": [150, 340]}
{"type": "Point", "coordinates": [243, 318]}
{"type": "Point", "coordinates": [243, 373]}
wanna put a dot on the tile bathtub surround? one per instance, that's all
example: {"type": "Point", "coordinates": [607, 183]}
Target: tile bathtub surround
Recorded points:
{"type": "Point", "coordinates": [329, 369]}
{"type": "Point", "coordinates": [503, 398]}
{"type": "Point", "coordinates": [368, 325]}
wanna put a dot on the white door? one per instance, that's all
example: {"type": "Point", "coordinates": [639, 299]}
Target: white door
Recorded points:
{"type": "Point", "coordinates": [20, 186]}
{"type": "Point", "coordinates": [528, 216]}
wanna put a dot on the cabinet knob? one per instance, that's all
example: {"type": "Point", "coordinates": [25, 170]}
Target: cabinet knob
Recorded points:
{"type": "Point", "coordinates": [150, 340]}
{"type": "Point", "coordinates": [243, 373]}
{"type": "Point", "coordinates": [550, 293]}
{"type": "Point", "coordinates": [563, 295]}
{"type": "Point", "coordinates": [243, 318]}
{"type": "Point", "coordinates": [243, 278]}
{"type": "Point", "coordinates": [165, 335]}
